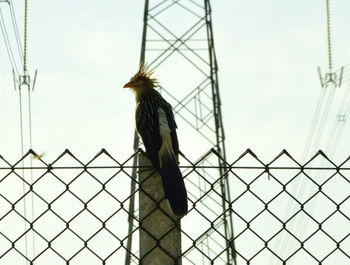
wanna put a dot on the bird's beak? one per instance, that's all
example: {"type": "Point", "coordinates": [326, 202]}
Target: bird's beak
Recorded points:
{"type": "Point", "coordinates": [127, 85]}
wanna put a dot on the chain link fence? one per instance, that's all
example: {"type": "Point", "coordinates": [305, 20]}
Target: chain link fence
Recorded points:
{"type": "Point", "coordinates": [71, 212]}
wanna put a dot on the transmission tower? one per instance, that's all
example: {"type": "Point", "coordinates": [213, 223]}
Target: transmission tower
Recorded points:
{"type": "Point", "coordinates": [25, 86]}
{"type": "Point", "coordinates": [178, 43]}
{"type": "Point", "coordinates": [330, 82]}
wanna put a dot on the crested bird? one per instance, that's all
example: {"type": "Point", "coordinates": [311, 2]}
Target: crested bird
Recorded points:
{"type": "Point", "coordinates": [156, 126]}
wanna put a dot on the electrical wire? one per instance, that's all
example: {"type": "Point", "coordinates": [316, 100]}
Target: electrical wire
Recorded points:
{"type": "Point", "coordinates": [7, 43]}
{"type": "Point", "coordinates": [31, 161]}
{"type": "Point", "coordinates": [23, 183]}
{"type": "Point", "coordinates": [331, 147]}
{"type": "Point", "coordinates": [25, 46]}
{"type": "Point", "coordinates": [24, 81]}
{"type": "Point", "coordinates": [314, 123]}
{"type": "Point", "coordinates": [298, 185]}
{"type": "Point", "coordinates": [335, 134]}
{"type": "Point", "coordinates": [315, 134]}
{"type": "Point", "coordinates": [15, 27]}
{"type": "Point", "coordinates": [338, 125]}
{"type": "Point", "coordinates": [15, 69]}
{"type": "Point", "coordinates": [320, 131]}
{"type": "Point", "coordinates": [346, 112]}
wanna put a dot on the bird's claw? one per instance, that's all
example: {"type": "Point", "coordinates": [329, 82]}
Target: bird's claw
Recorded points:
{"type": "Point", "coordinates": [143, 152]}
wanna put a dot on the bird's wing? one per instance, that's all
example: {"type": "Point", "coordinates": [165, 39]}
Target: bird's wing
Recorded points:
{"type": "Point", "coordinates": [172, 125]}
{"type": "Point", "coordinates": [147, 125]}
{"type": "Point", "coordinates": [173, 184]}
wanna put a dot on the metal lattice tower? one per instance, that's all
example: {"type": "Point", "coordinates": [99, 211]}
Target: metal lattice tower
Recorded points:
{"type": "Point", "coordinates": [178, 43]}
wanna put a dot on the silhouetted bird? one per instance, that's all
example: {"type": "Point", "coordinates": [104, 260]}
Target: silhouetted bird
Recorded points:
{"type": "Point", "coordinates": [156, 126]}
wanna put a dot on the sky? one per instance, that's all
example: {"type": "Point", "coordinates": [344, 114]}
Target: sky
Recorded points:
{"type": "Point", "coordinates": [267, 54]}
{"type": "Point", "coordinates": [267, 51]}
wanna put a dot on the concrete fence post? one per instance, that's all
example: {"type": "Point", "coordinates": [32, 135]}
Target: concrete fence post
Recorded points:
{"type": "Point", "coordinates": [160, 234]}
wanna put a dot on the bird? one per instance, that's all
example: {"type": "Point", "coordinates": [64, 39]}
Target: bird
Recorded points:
{"type": "Point", "coordinates": [156, 126]}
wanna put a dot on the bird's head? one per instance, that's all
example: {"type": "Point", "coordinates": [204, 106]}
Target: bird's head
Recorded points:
{"type": "Point", "coordinates": [142, 80]}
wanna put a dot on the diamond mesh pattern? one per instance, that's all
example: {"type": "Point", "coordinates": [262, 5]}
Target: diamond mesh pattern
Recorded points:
{"type": "Point", "coordinates": [72, 212]}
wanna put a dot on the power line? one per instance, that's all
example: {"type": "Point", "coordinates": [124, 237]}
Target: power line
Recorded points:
{"type": "Point", "coordinates": [329, 83]}
{"type": "Point", "coordinates": [19, 82]}
{"type": "Point", "coordinates": [314, 122]}
{"type": "Point", "coordinates": [7, 43]}
{"type": "Point", "coordinates": [339, 121]}
{"type": "Point", "coordinates": [14, 24]}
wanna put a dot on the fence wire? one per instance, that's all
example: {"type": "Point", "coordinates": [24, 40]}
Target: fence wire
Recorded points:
{"type": "Point", "coordinates": [73, 212]}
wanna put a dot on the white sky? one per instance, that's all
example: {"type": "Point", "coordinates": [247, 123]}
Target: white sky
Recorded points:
{"type": "Point", "coordinates": [267, 51]}
{"type": "Point", "coordinates": [84, 52]}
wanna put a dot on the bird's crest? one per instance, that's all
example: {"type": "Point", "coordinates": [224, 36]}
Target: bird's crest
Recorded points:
{"type": "Point", "coordinates": [145, 73]}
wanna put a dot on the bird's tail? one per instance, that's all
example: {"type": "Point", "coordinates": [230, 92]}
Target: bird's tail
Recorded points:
{"type": "Point", "coordinates": [173, 184]}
